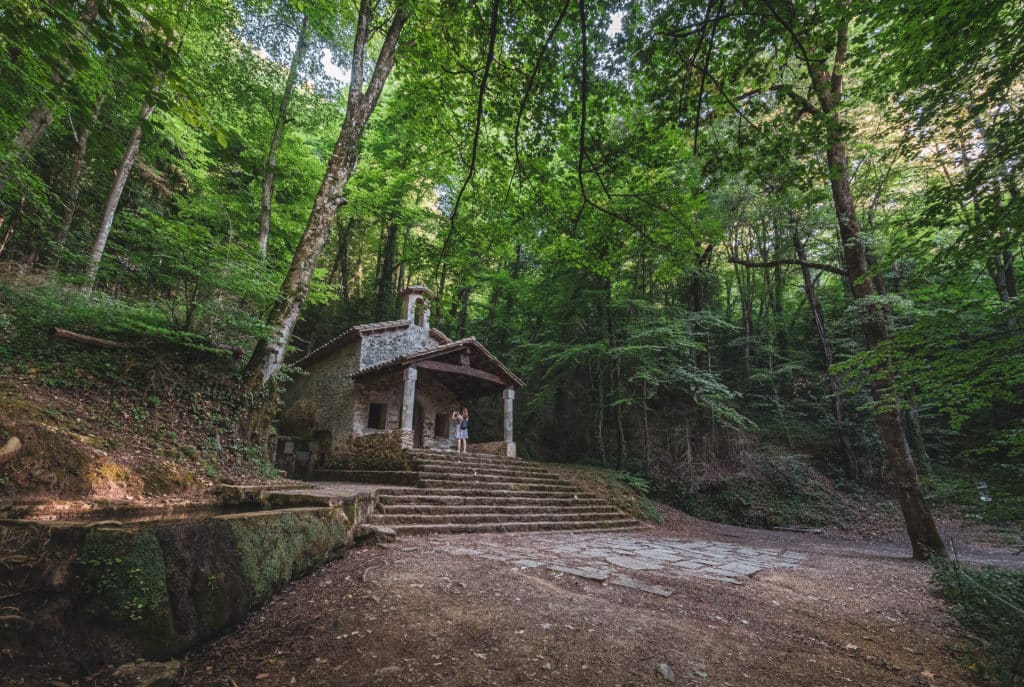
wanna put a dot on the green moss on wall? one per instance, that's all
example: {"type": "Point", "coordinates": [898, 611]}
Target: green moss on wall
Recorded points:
{"type": "Point", "coordinates": [124, 585]}
{"type": "Point", "coordinates": [277, 547]}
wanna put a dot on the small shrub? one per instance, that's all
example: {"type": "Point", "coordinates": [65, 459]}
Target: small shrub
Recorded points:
{"type": "Point", "coordinates": [989, 603]}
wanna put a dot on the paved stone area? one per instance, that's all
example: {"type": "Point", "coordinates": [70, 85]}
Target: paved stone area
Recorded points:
{"type": "Point", "coordinates": [612, 557]}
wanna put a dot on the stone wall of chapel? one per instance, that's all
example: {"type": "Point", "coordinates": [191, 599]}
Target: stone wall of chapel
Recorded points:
{"type": "Point", "coordinates": [334, 392]}
{"type": "Point", "coordinates": [379, 347]}
{"type": "Point", "coordinates": [387, 390]}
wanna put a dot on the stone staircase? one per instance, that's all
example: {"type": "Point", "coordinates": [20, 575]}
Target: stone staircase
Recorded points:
{"type": "Point", "coordinates": [475, 492]}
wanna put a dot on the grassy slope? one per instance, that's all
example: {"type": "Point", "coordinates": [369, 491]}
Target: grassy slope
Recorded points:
{"type": "Point", "coordinates": [154, 420]}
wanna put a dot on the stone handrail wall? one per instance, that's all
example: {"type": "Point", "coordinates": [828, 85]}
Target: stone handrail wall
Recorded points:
{"type": "Point", "coordinates": [94, 593]}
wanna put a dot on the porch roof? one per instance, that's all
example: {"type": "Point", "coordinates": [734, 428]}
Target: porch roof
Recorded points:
{"type": "Point", "coordinates": [479, 375]}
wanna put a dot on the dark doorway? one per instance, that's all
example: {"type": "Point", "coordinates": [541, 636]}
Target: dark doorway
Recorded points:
{"type": "Point", "coordinates": [417, 425]}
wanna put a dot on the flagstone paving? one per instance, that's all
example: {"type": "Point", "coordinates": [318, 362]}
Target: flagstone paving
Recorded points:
{"type": "Point", "coordinates": [607, 556]}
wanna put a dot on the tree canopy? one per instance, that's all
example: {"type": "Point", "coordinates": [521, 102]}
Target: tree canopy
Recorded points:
{"type": "Point", "coordinates": [686, 224]}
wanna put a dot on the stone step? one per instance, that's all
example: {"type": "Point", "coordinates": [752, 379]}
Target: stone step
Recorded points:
{"type": "Point", "coordinates": [464, 490]}
{"type": "Point", "coordinates": [490, 479]}
{"type": "Point", "coordinates": [441, 466]}
{"type": "Point", "coordinates": [489, 508]}
{"type": "Point", "coordinates": [481, 518]}
{"type": "Point", "coordinates": [480, 458]}
{"type": "Point", "coordinates": [414, 498]}
{"type": "Point", "coordinates": [611, 524]}
{"type": "Point", "coordinates": [404, 477]}
{"type": "Point", "coordinates": [486, 485]}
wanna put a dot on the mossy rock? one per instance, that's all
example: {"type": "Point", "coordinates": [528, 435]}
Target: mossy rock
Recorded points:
{"type": "Point", "coordinates": [52, 460]}
{"type": "Point", "coordinates": [207, 587]}
{"type": "Point", "coordinates": [168, 478]}
{"type": "Point", "coordinates": [124, 588]}
{"type": "Point", "coordinates": [276, 547]}
{"type": "Point", "coordinates": [114, 479]}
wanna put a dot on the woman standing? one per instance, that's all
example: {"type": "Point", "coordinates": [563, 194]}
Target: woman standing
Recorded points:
{"type": "Point", "coordinates": [462, 428]}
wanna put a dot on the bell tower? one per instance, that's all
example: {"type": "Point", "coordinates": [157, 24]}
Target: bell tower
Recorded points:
{"type": "Point", "coordinates": [416, 304]}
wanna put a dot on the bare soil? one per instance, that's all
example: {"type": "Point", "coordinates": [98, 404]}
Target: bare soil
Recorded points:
{"type": "Point", "coordinates": [413, 613]}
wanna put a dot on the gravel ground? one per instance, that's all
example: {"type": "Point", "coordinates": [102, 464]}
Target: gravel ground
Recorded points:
{"type": "Point", "coordinates": [429, 611]}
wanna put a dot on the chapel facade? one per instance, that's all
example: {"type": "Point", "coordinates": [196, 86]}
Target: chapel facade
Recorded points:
{"type": "Point", "coordinates": [392, 383]}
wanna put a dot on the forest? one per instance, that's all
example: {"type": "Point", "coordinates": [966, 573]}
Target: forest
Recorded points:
{"type": "Point", "coordinates": [725, 242]}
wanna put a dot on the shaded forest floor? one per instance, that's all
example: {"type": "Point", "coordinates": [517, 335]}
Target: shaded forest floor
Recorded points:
{"type": "Point", "coordinates": [420, 612]}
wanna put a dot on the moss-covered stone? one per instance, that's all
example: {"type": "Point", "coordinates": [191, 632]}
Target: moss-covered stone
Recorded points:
{"type": "Point", "coordinates": [123, 582]}
{"type": "Point", "coordinates": [278, 546]}
{"type": "Point", "coordinates": [94, 595]}
{"type": "Point", "coordinates": [167, 478]}
{"type": "Point", "coordinates": [206, 585]}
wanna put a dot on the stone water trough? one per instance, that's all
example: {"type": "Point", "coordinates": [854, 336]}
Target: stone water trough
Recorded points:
{"type": "Point", "coordinates": [79, 594]}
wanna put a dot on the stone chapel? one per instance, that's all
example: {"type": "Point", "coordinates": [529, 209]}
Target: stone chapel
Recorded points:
{"type": "Point", "coordinates": [388, 385]}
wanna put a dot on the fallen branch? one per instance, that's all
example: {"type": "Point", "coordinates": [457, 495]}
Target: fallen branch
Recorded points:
{"type": "Point", "coordinates": [235, 351]}
{"type": "Point", "coordinates": [87, 340]}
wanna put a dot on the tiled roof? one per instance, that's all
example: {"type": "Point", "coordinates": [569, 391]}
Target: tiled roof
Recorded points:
{"type": "Point", "coordinates": [429, 353]}
{"type": "Point", "coordinates": [350, 335]}
{"type": "Point", "coordinates": [440, 336]}
{"type": "Point", "coordinates": [416, 288]}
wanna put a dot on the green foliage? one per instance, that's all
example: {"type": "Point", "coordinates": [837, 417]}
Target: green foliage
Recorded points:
{"type": "Point", "coordinates": [989, 603]}
{"type": "Point", "coordinates": [37, 311]}
{"type": "Point", "coordinates": [601, 240]}
{"type": "Point", "coordinates": [632, 480]}
{"type": "Point", "coordinates": [991, 493]}
{"type": "Point", "coordinates": [778, 490]}
{"type": "Point", "coordinates": [123, 575]}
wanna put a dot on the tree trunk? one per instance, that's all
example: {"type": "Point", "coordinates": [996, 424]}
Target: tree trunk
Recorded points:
{"type": "Point", "coordinates": [340, 271]}
{"type": "Point", "coordinates": [620, 430]}
{"type": "Point", "coordinates": [75, 179]}
{"type": "Point", "coordinates": [924, 535]}
{"type": "Point", "coordinates": [301, 48]}
{"type": "Point", "coordinates": [114, 198]}
{"type": "Point", "coordinates": [1010, 274]}
{"type": "Point", "coordinates": [385, 279]}
{"type": "Point", "coordinates": [28, 136]}
{"type": "Point", "coordinates": [853, 467]}
{"type": "Point", "coordinates": [269, 354]}
{"type": "Point", "coordinates": [463, 304]}
{"type": "Point", "coordinates": [41, 116]}
{"type": "Point", "coordinates": [918, 447]}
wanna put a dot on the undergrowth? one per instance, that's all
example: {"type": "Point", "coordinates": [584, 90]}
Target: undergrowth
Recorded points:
{"type": "Point", "coordinates": [168, 408]}
{"type": "Point", "coordinates": [989, 603]}
{"type": "Point", "coordinates": [778, 489]}
{"type": "Point", "coordinates": [992, 494]}
{"type": "Point", "coordinates": [627, 491]}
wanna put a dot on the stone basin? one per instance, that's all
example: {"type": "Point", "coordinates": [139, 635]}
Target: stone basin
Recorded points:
{"type": "Point", "coordinates": [114, 587]}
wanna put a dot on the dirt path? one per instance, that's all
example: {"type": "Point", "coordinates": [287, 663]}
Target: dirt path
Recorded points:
{"type": "Point", "coordinates": [477, 610]}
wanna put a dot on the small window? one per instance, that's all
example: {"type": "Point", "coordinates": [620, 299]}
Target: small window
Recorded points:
{"type": "Point", "coordinates": [378, 416]}
{"type": "Point", "coordinates": [441, 423]}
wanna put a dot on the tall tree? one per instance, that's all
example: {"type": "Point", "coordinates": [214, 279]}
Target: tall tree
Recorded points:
{"type": "Point", "coordinates": [302, 44]}
{"type": "Point", "coordinates": [124, 170]}
{"type": "Point", "coordinates": [269, 354]}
